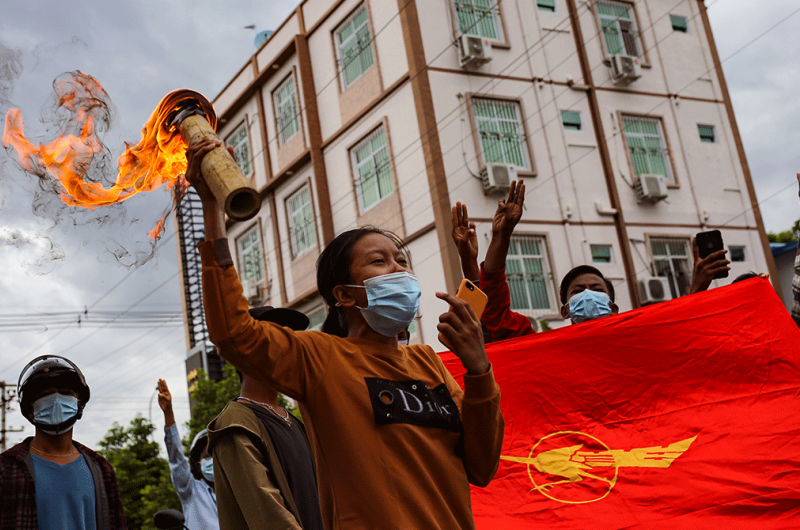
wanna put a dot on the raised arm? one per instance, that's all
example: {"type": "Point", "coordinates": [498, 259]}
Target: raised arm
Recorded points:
{"type": "Point", "coordinates": [178, 464]}
{"type": "Point", "coordinates": [499, 319]}
{"type": "Point", "coordinates": [466, 240]}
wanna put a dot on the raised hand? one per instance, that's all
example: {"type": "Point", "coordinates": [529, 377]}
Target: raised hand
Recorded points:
{"type": "Point", "coordinates": [466, 239]}
{"type": "Point", "coordinates": [509, 211]}
{"type": "Point", "coordinates": [460, 330]}
{"type": "Point", "coordinates": [705, 269]}
{"type": "Point", "coordinates": [165, 402]}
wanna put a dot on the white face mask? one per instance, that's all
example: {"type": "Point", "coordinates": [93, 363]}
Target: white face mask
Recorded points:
{"type": "Point", "coordinates": [392, 302]}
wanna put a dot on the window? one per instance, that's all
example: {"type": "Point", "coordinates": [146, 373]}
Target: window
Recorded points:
{"type": "Point", "coordinates": [500, 130]}
{"type": "Point", "coordinates": [737, 253]}
{"type": "Point", "coordinates": [546, 5]}
{"type": "Point", "coordinates": [679, 23]}
{"type": "Point", "coordinates": [354, 43]}
{"type": "Point", "coordinates": [571, 120]}
{"type": "Point", "coordinates": [241, 148]}
{"type": "Point", "coordinates": [372, 168]}
{"type": "Point", "coordinates": [316, 318]}
{"type": "Point", "coordinates": [601, 253]}
{"type": "Point", "coordinates": [478, 17]}
{"type": "Point", "coordinates": [619, 28]}
{"type": "Point", "coordinates": [302, 229]}
{"type": "Point", "coordinates": [646, 146]}
{"type": "Point", "coordinates": [529, 276]}
{"type": "Point", "coordinates": [706, 133]}
{"type": "Point", "coordinates": [671, 260]}
{"type": "Point", "coordinates": [286, 110]}
{"type": "Point", "coordinates": [251, 256]}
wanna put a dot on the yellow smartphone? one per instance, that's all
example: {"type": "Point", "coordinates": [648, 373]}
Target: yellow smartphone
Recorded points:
{"type": "Point", "coordinates": [476, 298]}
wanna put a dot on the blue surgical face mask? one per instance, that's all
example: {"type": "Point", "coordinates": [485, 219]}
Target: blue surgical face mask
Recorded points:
{"type": "Point", "coordinates": [55, 409]}
{"type": "Point", "coordinates": [207, 469]}
{"type": "Point", "coordinates": [588, 305]}
{"type": "Point", "coordinates": [392, 302]}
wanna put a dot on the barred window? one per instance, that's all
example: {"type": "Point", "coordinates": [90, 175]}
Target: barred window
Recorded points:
{"type": "Point", "coordinates": [672, 260]}
{"type": "Point", "coordinates": [529, 276]}
{"type": "Point", "coordinates": [647, 147]}
{"type": "Point", "coordinates": [501, 132]}
{"type": "Point", "coordinates": [251, 256]}
{"type": "Point", "coordinates": [302, 228]}
{"type": "Point", "coordinates": [478, 17]}
{"type": "Point", "coordinates": [619, 28]}
{"type": "Point", "coordinates": [373, 170]}
{"type": "Point", "coordinates": [241, 148]}
{"type": "Point", "coordinates": [286, 110]}
{"type": "Point", "coordinates": [354, 45]}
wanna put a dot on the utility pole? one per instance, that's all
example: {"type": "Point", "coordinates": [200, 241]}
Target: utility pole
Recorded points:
{"type": "Point", "coordinates": [7, 394]}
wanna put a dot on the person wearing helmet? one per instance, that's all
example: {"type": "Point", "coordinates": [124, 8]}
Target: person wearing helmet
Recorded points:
{"type": "Point", "coordinates": [193, 478]}
{"type": "Point", "coordinates": [50, 480]}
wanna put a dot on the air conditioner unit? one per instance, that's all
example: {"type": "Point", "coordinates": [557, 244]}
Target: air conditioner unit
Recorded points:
{"type": "Point", "coordinates": [474, 50]}
{"type": "Point", "coordinates": [650, 188]}
{"type": "Point", "coordinates": [625, 69]}
{"type": "Point", "coordinates": [653, 290]}
{"type": "Point", "coordinates": [498, 177]}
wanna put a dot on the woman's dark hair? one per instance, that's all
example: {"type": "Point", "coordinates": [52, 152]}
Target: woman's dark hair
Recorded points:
{"type": "Point", "coordinates": [333, 268]}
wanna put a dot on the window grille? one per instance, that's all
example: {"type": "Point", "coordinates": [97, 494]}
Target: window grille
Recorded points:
{"type": "Point", "coordinates": [373, 170]}
{"type": "Point", "coordinates": [501, 133]}
{"type": "Point", "coordinates": [251, 256]}
{"type": "Point", "coordinates": [354, 42]}
{"type": "Point", "coordinates": [671, 257]}
{"type": "Point", "coordinates": [529, 276]}
{"type": "Point", "coordinates": [241, 148]}
{"type": "Point", "coordinates": [302, 228]}
{"type": "Point", "coordinates": [647, 147]}
{"type": "Point", "coordinates": [286, 110]}
{"type": "Point", "coordinates": [478, 17]}
{"type": "Point", "coordinates": [619, 28]}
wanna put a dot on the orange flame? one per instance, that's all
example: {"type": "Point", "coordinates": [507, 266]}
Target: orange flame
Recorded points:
{"type": "Point", "coordinates": [158, 159]}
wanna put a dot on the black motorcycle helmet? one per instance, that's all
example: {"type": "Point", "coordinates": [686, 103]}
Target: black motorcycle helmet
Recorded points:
{"type": "Point", "coordinates": [50, 371]}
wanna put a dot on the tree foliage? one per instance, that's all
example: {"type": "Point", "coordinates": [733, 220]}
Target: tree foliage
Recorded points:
{"type": "Point", "coordinates": [209, 397]}
{"type": "Point", "coordinates": [787, 236]}
{"type": "Point", "coordinates": [142, 475]}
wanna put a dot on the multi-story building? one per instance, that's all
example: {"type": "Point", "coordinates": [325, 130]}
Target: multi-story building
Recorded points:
{"type": "Point", "coordinates": [386, 112]}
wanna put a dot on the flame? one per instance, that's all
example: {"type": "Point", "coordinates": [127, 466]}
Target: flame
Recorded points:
{"type": "Point", "coordinates": [159, 159]}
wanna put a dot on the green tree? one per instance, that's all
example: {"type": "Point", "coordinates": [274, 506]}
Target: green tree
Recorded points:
{"type": "Point", "coordinates": [787, 236]}
{"type": "Point", "coordinates": [209, 397]}
{"type": "Point", "coordinates": [142, 475]}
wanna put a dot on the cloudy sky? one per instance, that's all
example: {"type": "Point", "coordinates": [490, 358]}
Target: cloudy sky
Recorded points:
{"type": "Point", "coordinates": [142, 50]}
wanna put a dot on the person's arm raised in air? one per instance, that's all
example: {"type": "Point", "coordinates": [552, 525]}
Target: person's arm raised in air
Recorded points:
{"type": "Point", "coordinates": [706, 268]}
{"type": "Point", "coordinates": [288, 361]}
{"type": "Point", "coordinates": [179, 468]}
{"type": "Point", "coordinates": [466, 240]}
{"type": "Point", "coordinates": [499, 319]}
{"type": "Point", "coordinates": [481, 417]}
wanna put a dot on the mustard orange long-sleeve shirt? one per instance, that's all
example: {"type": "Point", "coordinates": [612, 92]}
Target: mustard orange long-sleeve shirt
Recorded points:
{"type": "Point", "coordinates": [396, 440]}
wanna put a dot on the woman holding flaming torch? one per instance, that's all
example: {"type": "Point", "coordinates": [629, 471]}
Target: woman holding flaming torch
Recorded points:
{"type": "Point", "coordinates": [396, 440]}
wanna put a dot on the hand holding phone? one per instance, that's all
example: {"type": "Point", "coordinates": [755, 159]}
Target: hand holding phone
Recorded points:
{"type": "Point", "coordinates": [476, 298]}
{"type": "Point", "coordinates": [709, 243]}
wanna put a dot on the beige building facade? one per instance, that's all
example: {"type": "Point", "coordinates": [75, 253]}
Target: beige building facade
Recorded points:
{"type": "Point", "coordinates": [387, 112]}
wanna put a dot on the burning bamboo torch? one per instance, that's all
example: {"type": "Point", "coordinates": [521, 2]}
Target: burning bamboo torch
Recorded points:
{"type": "Point", "coordinates": [193, 115]}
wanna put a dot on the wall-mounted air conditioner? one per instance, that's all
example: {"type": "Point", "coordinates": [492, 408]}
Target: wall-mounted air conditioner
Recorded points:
{"type": "Point", "coordinates": [653, 290]}
{"type": "Point", "coordinates": [498, 177]}
{"type": "Point", "coordinates": [625, 69]}
{"type": "Point", "coordinates": [650, 188]}
{"type": "Point", "coordinates": [474, 50]}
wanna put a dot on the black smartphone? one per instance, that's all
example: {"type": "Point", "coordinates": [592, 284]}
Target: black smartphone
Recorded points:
{"type": "Point", "coordinates": [708, 243]}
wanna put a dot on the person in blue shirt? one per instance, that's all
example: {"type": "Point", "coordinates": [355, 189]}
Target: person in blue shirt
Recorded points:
{"type": "Point", "coordinates": [193, 478]}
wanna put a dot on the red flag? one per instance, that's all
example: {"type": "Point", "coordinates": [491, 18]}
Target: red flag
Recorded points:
{"type": "Point", "coordinates": [678, 415]}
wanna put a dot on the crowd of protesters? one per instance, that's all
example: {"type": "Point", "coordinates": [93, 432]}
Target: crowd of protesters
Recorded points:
{"type": "Point", "coordinates": [390, 439]}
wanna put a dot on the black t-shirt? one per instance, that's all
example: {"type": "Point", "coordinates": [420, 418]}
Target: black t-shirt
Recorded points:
{"type": "Point", "coordinates": [295, 459]}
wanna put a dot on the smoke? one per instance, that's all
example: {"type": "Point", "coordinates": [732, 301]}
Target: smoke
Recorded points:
{"type": "Point", "coordinates": [10, 70]}
{"type": "Point", "coordinates": [75, 119]}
